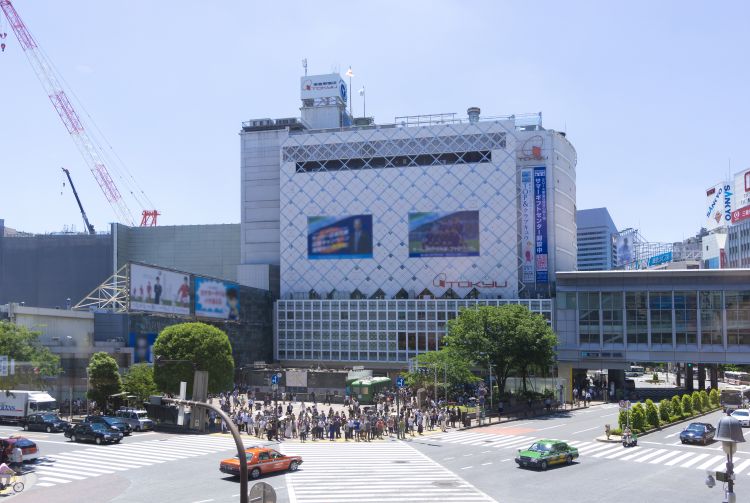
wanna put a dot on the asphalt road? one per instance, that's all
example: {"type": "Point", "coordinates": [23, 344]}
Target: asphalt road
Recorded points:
{"type": "Point", "coordinates": [461, 466]}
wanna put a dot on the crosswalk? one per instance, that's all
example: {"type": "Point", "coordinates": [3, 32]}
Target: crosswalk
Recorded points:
{"type": "Point", "coordinates": [658, 455]}
{"type": "Point", "coordinates": [379, 473]}
{"type": "Point", "coordinates": [94, 461]}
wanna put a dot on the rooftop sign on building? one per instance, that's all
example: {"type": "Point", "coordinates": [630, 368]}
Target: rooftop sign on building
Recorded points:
{"type": "Point", "coordinates": [323, 86]}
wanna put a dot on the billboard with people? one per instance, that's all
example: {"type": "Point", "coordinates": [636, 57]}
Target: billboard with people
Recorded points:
{"type": "Point", "coordinates": [438, 234]}
{"type": "Point", "coordinates": [217, 299]}
{"type": "Point", "coordinates": [159, 290]}
{"type": "Point", "coordinates": [142, 345]}
{"type": "Point", "coordinates": [339, 237]}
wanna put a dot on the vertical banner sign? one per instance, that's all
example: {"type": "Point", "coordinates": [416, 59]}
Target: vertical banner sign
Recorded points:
{"type": "Point", "coordinates": [3, 366]}
{"type": "Point", "coordinates": [540, 223]}
{"type": "Point", "coordinates": [527, 226]}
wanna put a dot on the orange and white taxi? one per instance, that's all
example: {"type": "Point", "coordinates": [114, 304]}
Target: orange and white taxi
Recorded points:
{"type": "Point", "coordinates": [261, 461]}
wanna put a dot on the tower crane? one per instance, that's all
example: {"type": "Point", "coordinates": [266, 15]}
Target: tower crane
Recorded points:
{"type": "Point", "coordinates": [89, 149]}
{"type": "Point", "coordinates": [89, 227]}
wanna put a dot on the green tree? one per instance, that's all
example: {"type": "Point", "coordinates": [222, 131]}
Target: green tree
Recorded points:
{"type": "Point", "coordinates": [449, 365]}
{"type": "Point", "coordinates": [652, 415]}
{"type": "Point", "coordinates": [139, 381]}
{"type": "Point", "coordinates": [33, 361]}
{"type": "Point", "coordinates": [104, 378]}
{"type": "Point", "coordinates": [638, 417]}
{"type": "Point", "coordinates": [695, 398]}
{"type": "Point", "coordinates": [676, 406]}
{"type": "Point", "coordinates": [705, 402]}
{"type": "Point", "coordinates": [687, 405]}
{"type": "Point", "coordinates": [665, 410]}
{"type": "Point", "coordinates": [502, 339]}
{"type": "Point", "coordinates": [714, 398]}
{"type": "Point", "coordinates": [205, 346]}
{"type": "Point", "coordinates": [622, 419]}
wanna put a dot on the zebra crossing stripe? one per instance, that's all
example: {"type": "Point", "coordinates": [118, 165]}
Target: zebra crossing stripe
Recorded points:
{"type": "Point", "coordinates": [742, 466]}
{"type": "Point", "coordinates": [650, 455]}
{"type": "Point", "coordinates": [694, 460]}
{"type": "Point", "coordinates": [676, 460]}
{"type": "Point", "coordinates": [710, 462]}
{"type": "Point", "coordinates": [622, 452]}
{"type": "Point", "coordinates": [665, 457]}
{"type": "Point", "coordinates": [638, 452]}
{"type": "Point", "coordinates": [591, 450]}
{"type": "Point", "coordinates": [611, 449]}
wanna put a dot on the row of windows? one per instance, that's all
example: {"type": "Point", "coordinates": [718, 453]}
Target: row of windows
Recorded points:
{"type": "Point", "coordinates": [359, 356]}
{"type": "Point", "coordinates": [409, 305]}
{"type": "Point", "coordinates": [397, 161]}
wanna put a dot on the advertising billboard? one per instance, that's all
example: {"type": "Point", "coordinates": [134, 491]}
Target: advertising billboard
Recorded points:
{"type": "Point", "coordinates": [339, 237]}
{"type": "Point", "coordinates": [142, 345]}
{"type": "Point", "coordinates": [741, 189]}
{"type": "Point", "coordinates": [217, 299]}
{"type": "Point", "coordinates": [625, 250]}
{"type": "Point", "coordinates": [718, 205]}
{"type": "Point", "coordinates": [540, 223]}
{"type": "Point", "coordinates": [323, 86]}
{"type": "Point", "coordinates": [740, 214]}
{"type": "Point", "coordinates": [438, 234]}
{"type": "Point", "coordinates": [159, 290]}
{"type": "Point", "coordinates": [527, 226]}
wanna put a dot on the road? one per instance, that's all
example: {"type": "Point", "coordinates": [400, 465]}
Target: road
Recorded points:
{"type": "Point", "coordinates": [463, 466]}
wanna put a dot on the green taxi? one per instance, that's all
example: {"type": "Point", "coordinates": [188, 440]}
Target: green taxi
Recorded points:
{"type": "Point", "coordinates": [544, 453]}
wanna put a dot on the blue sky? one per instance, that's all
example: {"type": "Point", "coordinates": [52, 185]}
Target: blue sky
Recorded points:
{"type": "Point", "coordinates": [651, 94]}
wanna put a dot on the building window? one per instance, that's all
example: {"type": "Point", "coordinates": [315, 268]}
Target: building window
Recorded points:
{"type": "Point", "coordinates": [738, 318]}
{"type": "Point", "coordinates": [660, 304]}
{"type": "Point", "coordinates": [711, 325]}
{"type": "Point", "coordinates": [612, 317]}
{"type": "Point", "coordinates": [686, 317]}
{"type": "Point", "coordinates": [588, 317]}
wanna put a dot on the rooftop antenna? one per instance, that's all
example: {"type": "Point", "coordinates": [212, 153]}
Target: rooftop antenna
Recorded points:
{"type": "Point", "coordinates": [304, 65]}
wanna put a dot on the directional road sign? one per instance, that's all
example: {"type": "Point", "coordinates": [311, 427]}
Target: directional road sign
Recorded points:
{"type": "Point", "coordinates": [400, 382]}
{"type": "Point", "coordinates": [275, 379]}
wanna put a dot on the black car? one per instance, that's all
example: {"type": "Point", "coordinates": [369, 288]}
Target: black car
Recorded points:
{"type": "Point", "coordinates": [93, 432]}
{"type": "Point", "coordinates": [698, 433]}
{"type": "Point", "coordinates": [112, 422]}
{"type": "Point", "coordinates": [44, 421]}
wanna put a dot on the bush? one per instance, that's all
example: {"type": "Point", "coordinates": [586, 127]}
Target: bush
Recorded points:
{"type": "Point", "coordinates": [655, 377]}
{"type": "Point", "coordinates": [652, 415]}
{"type": "Point", "coordinates": [714, 398]}
{"type": "Point", "coordinates": [676, 406]}
{"type": "Point", "coordinates": [622, 419]}
{"type": "Point", "coordinates": [665, 409]}
{"type": "Point", "coordinates": [687, 405]}
{"type": "Point", "coordinates": [705, 402]}
{"type": "Point", "coordinates": [638, 418]}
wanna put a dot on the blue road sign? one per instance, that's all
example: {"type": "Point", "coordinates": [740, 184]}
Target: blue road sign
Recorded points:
{"type": "Point", "coordinates": [400, 382]}
{"type": "Point", "coordinates": [274, 379]}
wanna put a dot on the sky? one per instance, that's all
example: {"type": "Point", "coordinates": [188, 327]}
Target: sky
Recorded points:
{"type": "Point", "coordinates": [653, 95]}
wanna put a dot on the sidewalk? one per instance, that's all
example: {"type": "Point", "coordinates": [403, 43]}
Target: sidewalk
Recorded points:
{"type": "Point", "coordinates": [535, 414]}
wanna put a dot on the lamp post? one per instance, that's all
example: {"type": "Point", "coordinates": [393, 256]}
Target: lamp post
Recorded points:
{"type": "Point", "coordinates": [729, 432]}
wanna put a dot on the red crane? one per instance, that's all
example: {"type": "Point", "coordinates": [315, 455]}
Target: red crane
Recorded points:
{"type": "Point", "coordinates": [91, 151]}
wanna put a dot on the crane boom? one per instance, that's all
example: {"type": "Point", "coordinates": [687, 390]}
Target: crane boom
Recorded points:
{"type": "Point", "coordinates": [89, 227]}
{"type": "Point", "coordinates": [90, 151]}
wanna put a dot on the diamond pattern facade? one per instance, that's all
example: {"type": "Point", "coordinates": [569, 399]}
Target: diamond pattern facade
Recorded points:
{"type": "Point", "coordinates": [422, 182]}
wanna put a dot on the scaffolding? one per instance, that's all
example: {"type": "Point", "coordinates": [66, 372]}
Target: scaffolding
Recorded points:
{"type": "Point", "coordinates": [112, 295]}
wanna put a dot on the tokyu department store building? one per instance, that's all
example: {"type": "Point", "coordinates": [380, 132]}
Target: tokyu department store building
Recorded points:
{"type": "Point", "coordinates": [375, 235]}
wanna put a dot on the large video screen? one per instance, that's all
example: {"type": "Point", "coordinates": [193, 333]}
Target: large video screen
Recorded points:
{"type": "Point", "coordinates": [159, 290]}
{"type": "Point", "coordinates": [217, 299]}
{"type": "Point", "coordinates": [339, 237]}
{"type": "Point", "coordinates": [437, 234]}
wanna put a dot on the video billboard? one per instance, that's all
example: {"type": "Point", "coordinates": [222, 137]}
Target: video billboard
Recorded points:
{"type": "Point", "coordinates": [159, 290]}
{"type": "Point", "coordinates": [142, 345]}
{"type": "Point", "coordinates": [217, 299]}
{"type": "Point", "coordinates": [540, 224]}
{"type": "Point", "coordinates": [625, 251]}
{"type": "Point", "coordinates": [339, 237]}
{"type": "Point", "coordinates": [437, 234]}
{"type": "Point", "coordinates": [527, 226]}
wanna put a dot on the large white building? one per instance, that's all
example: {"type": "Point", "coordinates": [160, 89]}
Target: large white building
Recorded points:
{"type": "Point", "coordinates": [374, 232]}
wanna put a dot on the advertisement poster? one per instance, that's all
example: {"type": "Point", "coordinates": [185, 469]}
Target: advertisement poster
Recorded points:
{"type": "Point", "coordinates": [625, 252]}
{"type": "Point", "coordinates": [217, 299]}
{"type": "Point", "coordinates": [142, 345]}
{"type": "Point", "coordinates": [527, 226]}
{"type": "Point", "coordinates": [437, 234]}
{"type": "Point", "coordinates": [741, 189]}
{"type": "Point", "coordinates": [540, 223]}
{"type": "Point", "coordinates": [718, 206]}
{"type": "Point", "coordinates": [339, 237]}
{"type": "Point", "coordinates": [158, 290]}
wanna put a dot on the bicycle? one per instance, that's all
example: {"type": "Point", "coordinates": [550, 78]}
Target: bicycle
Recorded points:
{"type": "Point", "coordinates": [15, 484]}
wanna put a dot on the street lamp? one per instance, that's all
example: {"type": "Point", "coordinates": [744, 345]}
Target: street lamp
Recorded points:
{"type": "Point", "coordinates": [729, 432]}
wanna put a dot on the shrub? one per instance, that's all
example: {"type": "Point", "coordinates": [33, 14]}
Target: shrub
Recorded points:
{"type": "Point", "coordinates": [705, 402]}
{"type": "Point", "coordinates": [622, 419]}
{"type": "Point", "coordinates": [638, 418]}
{"type": "Point", "coordinates": [655, 377]}
{"type": "Point", "coordinates": [676, 407]}
{"type": "Point", "coordinates": [665, 409]}
{"type": "Point", "coordinates": [714, 398]}
{"type": "Point", "coordinates": [652, 415]}
{"type": "Point", "coordinates": [687, 405]}
{"type": "Point", "coordinates": [697, 401]}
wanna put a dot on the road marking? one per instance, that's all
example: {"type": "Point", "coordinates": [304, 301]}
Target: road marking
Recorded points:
{"type": "Point", "coordinates": [639, 451]}
{"type": "Point", "coordinates": [742, 466]}
{"type": "Point", "coordinates": [485, 464]}
{"type": "Point", "coordinates": [446, 459]}
{"type": "Point", "coordinates": [467, 467]}
{"type": "Point", "coordinates": [588, 429]}
{"type": "Point", "coordinates": [550, 427]}
{"type": "Point", "coordinates": [676, 460]}
{"type": "Point", "coordinates": [710, 462]}
{"type": "Point", "coordinates": [665, 457]}
{"type": "Point", "coordinates": [203, 501]}
{"type": "Point", "coordinates": [694, 460]}
{"type": "Point", "coordinates": [485, 452]}
{"type": "Point", "coordinates": [470, 454]}
{"type": "Point", "coordinates": [672, 435]}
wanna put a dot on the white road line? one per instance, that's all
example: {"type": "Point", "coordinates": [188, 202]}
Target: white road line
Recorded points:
{"type": "Point", "coordinates": [485, 464]}
{"type": "Point", "coordinates": [591, 450]}
{"type": "Point", "coordinates": [676, 460]}
{"type": "Point", "coordinates": [665, 457]}
{"type": "Point", "coordinates": [550, 427]}
{"type": "Point", "coordinates": [672, 435]}
{"type": "Point", "coordinates": [622, 452]}
{"type": "Point", "coordinates": [587, 429]}
{"type": "Point", "coordinates": [467, 467]}
{"type": "Point", "coordinates": [638, 452]}
{"type": "Point", "coordinates": [697, 458]}
{"type": "Point", "coordinates": [710, 462]}
{"type": "Point", "coordinates": [612, 448]}
{"type": "Point", "coordinates": [742, 466]}
{"type": "Point", "coordinates": [52, 479]}
{"type": "Point", "coordinates": [450, 457]}
{"type": "Point", "coordinates": [649, 455]}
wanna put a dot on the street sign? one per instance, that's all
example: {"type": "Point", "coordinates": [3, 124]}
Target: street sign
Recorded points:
{"type": "Point", "coordinates": [400, 382]}
{"type": "Point", "coordinates": [275, 379]}
{"type": "Point", "coordinates": [3, 366]}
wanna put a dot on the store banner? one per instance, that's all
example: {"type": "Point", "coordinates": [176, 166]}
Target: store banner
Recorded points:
{"type": "Point", "coordinates": [527, 226]}
{"type": "Point", "coordinates": [540, 223]}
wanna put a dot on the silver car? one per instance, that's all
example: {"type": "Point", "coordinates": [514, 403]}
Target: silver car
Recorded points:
{"type": "Point", "coordinates": [743, 415]}
{"type": "Point", "coordinates": [137, 419]}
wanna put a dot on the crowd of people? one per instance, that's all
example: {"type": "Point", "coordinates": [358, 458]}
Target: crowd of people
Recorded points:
{"type": "Point", "coordinates": [290, 418]}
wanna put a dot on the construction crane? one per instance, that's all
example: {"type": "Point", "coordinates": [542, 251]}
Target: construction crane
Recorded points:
{"type": "Point", "coordinates": [89, 227]}
{"type": "Point", "coordinates": [91, 151]}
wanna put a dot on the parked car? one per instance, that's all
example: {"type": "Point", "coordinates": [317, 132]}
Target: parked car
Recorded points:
{"type": "Point", "coordinates": [261, 461]}
{"type": "Point", "coordinates": [742, 415]}
{"type": "Point", "coordinates": [94, 432]}
{"type": "Point", "coordinates": [698, 433]}
{"type": "Point", "coordinates": [112, 422]}
{"type": "Point", "coordinates": [544, 453]}
{"type": "Point", "coordinates": [137, 419]}
{"type": "Point", "coordinates": [29, 450]}
{"type": "Point", "coordinates": [44, 421]}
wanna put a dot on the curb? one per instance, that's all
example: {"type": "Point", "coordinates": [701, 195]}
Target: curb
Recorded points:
{"type": "Point", "coordinates": [652, 430]}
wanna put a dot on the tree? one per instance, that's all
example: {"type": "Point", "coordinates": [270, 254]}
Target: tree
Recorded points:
{"type": "Point", "coordinates": [33, 361]}
{"type": "Point", "coordinates": [204, 346]}
{"type": "Point", "coordinates": [687, 405]}
{"type": "Point", "coordinates": [139, 381]}
{"type": "Point", "coordinates": [665, 407]}
{"type": "Point", "coordinates": [104, 378]}
{"type": "Point", "coordinates": [502, 339]}
{"type": "Point", "coordinates": [638, 417]}
{"type": "Point", "coordinates": [449, 365]}
{"type": "Point", "coordinates": [676, 406]}
{"type": "Point", "coordinates": [652, 414]}
{"type": "Point", "coordinates": [713, 397]}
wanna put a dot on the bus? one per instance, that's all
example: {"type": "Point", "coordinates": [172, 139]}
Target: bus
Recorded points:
{"type": "Point", "coordinates": [637, 371]}
{"type": "Point", "coordinates": [737, 378]}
